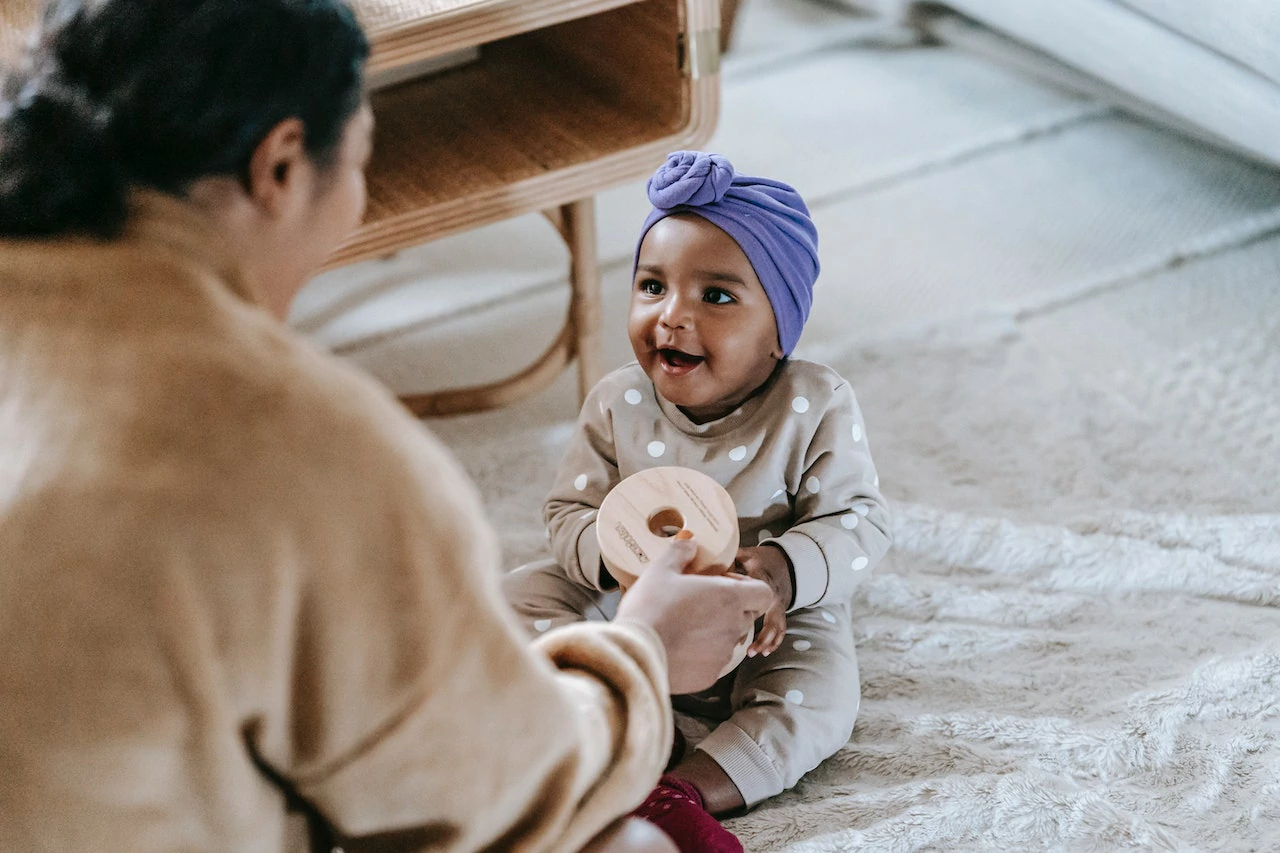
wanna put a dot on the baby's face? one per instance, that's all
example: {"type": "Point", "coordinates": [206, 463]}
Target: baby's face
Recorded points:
{"type": "Point", "coordinates": [701, 325]}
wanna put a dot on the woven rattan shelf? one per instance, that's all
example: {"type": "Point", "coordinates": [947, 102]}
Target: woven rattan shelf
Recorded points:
{"type": "Point", "coordinates": [532, 124]}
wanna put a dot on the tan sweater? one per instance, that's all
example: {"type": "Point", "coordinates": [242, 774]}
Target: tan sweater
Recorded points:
{"type": "Point", "coordinates": [231, 567]}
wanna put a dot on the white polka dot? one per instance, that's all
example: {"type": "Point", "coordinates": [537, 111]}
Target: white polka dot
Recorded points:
{"type": "Point", "coordinates": [738, 453]}
{"type": "Point", "coordinates": [656, 449]}
{"type": "Point", "coordinates": [850, 521]}
{"type": "Point", "coordinates": [632, 396]}
{"type": "Point", "coordinates": [862, 510]}
{"type": "Point", "coordinates": [860, 564]}
{"type": "Point", "coordinates": [763, 535]}
{"type": "Point", "coordinates": [779, 493]}
{"type": "Point", "coordinates": [813, 484]}
{"type": "Point", "coordinates": [857, 432]}
{"type": "Point", "coordinates": [802, 645]}
{"type": "Point", "coordinates": [541, 625]}
{"type": "Point", "coordinates": [795, 697]}
{"type": "Point", "coordinates": [826, 615]}
{"type": "Point", "coordinates": [800, 404]}
{"type": "Point", "coordinates": [580, 482]}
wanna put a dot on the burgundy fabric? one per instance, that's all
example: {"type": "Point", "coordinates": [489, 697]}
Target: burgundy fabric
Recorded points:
{"type": "Point", "coordinates": [676, 808]}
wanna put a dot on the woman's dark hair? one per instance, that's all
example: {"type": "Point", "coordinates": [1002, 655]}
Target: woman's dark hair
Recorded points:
{"type": "Point", "coordinates": [158, 93]}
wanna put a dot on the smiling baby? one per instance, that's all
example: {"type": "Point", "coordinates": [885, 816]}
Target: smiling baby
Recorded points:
{"type": "Point", "coordinates": [723, 285]}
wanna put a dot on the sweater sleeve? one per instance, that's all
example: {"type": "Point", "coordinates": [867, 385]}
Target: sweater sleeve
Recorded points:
{"type": "Point", "coordinates": [421, 718]}
{"type": "Point", "coordinates": [588, 470]}
{"type": "Point", "coordinates": [842, 525]}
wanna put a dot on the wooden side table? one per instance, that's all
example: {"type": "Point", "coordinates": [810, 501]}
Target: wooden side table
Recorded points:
{"type": "Point", "coordinates": [566, 98]}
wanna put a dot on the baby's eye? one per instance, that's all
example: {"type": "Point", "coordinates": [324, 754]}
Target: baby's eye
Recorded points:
{"type": "Point", "coordinates": [716, 296]}
{"type": "Point", "coordinates": [651, 286]}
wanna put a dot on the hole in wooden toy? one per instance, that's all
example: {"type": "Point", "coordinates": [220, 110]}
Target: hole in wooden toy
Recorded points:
{"type": "Point", "coordinates": [666, 522]}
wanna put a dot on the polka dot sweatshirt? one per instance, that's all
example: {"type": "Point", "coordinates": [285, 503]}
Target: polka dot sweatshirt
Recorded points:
{"type": "Point", "coordinates": [794, 458]}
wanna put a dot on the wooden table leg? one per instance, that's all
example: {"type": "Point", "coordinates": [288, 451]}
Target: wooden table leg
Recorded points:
{"type": "Point", "coordinates": [579, 220]}
{"type": "Point", "coordinates": [728, 13]}
{"type": "Point", "coordinates": [579, 338]}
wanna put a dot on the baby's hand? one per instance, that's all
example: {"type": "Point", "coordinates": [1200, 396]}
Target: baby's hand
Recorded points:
{"type": "Point", "coordinates": [769, 564]}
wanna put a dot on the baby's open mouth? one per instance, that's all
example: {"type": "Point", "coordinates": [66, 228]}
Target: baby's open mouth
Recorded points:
{"type": "Point", "coordinates": [675, 361]}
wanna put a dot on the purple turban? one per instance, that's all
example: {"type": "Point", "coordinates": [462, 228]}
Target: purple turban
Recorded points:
{"type": "Point", "coordinates": [767, 219]}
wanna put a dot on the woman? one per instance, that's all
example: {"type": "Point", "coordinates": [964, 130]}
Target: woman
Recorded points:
{"type": "Point", "coordinates": [246, 603]}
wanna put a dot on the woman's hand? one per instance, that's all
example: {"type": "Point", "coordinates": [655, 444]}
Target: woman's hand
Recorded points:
{"type": "Point", "coordinates": [699, 618]}
{"type": "Point", "coordinates": [769, 563]}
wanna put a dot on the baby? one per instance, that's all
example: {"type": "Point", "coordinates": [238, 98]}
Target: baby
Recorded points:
{"type": "Point", "coordinates": [722, 286]}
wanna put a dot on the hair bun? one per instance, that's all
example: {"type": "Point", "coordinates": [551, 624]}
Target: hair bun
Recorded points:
{"type": "Point", "coordinates": [691, 178]}
{"type": "Point", "coordinates": [58, 164]}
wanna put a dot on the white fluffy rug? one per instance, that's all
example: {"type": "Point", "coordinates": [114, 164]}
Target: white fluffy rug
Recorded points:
{"type": "Point", "coordinates": [1076, 643]}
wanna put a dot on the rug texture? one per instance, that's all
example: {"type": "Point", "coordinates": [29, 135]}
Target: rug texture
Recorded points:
{"type": "Point", "coordinates": [1075, 644]}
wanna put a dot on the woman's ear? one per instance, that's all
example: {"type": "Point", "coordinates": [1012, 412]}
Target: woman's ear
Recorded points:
{"type": "Point", "coordinates": [276, 169]}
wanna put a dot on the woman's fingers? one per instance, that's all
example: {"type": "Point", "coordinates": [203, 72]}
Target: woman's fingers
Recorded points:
{"type": "Point", "coordinates": [753, 596]}
{"type": "Point", "coordinates": [700, 619]}
{"type": "Point", "coordinates": [678, 555]}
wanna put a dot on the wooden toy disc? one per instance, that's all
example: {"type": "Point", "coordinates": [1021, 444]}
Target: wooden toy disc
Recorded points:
{"type": "Point", "coordinates": [641, 515]}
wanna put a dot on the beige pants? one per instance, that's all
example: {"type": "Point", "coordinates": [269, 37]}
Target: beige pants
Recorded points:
{"type": "Point", "coordinates": [778, 717]}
